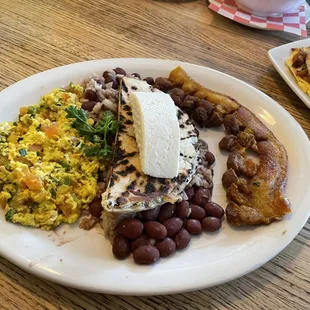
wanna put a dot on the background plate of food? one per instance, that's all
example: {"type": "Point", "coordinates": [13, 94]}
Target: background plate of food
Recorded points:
{"type": "Point", "coordinates": [282, 59]}
{"type": "Point", "coordinates": [58, 148]}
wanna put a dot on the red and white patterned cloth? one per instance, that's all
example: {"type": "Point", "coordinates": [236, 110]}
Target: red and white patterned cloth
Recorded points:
{"type": "Point", "coordinates": [293, 21]}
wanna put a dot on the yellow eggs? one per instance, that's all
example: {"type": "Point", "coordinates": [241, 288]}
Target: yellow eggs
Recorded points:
{"type": "Point", "coordinates": [45, 177]}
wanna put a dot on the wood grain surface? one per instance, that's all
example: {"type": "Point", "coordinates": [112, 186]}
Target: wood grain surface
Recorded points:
{"type": "Point", "coordinates": [37, 35]}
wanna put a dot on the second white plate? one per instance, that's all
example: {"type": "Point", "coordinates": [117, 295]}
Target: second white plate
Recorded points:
{"type": "Point", "coordinates": [278, 55]}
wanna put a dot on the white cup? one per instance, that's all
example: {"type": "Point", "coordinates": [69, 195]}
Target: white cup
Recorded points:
{"type": "Point", "coordinates": [268, 7]}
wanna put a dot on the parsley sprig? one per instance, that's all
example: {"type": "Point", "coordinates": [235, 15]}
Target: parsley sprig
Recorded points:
{"type": "Point", "coordinates": [97, 134]}
{"type": "Point", "coordinates": [9, 215]}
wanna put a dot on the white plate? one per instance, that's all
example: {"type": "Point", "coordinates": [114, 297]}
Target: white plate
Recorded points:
{"type": "Point", "coordinates": [82, 259]}
{"type": "Point", "coordinates": [278, 55]}
{"type": "Point", "coordinates": [307, 14]}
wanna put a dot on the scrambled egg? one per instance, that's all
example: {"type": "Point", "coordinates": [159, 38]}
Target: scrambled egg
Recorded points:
{"type": "Point", "coordinates": [45, 177]}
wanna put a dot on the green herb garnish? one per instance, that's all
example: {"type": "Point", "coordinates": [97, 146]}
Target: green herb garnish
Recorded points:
{"type": "Point", "coordinates": [66, 181]}
{"type": "Point", "coordinates": [256, 183]}
{"type": "Point", "coordinates": [53, 193]}
{"type": "Point", "coordinates": [32, 110]}
{"type": "Point", "coordinates": [9, 215]}
{"type": "Point", "coordinates": [64, 165]}
{"type": "Point", "coordinates": [98, 151]}
{"type": "Point", "coordinates": [97, 134]}
{"type": "Point", "coordinates": [22, 152]}
{"type": "Point", "coordinates": [54, 180]}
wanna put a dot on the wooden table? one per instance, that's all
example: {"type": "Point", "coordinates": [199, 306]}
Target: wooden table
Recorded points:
{"type": "Point", "coordinates": [37, 35]}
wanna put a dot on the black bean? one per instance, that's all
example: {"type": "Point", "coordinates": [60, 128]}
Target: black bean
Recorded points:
{"type": "Point", "coordinates": [166, 211]}
{"type": "Point", "coordinates": [130, 228]}
{"type": "Point", "coordinates": [137, 75]}
{"type": "Point", "coordinates": [213, 209]}
{"type": "Point", "coordinates": [197, 213]}
{"type": "Point", "coordinates": [146, 255]}
{"type": "Point", "coordinates": [119, 70]}
{"type": "Point", "coordinates": [149, 215]}
{"type": "Point", "coordinates": [193, 227]}
{"type": "Point", "coordinates": [182, 209]}
{"type": "Point", "coordinates": [202, 196]}
{"type": "Point", "coordinates": [155, 230]}
{"type": "Point", "coordinates": [142, 240]}
{"type": "Point", "coordinates": [173, 226]}
{"type": "Point", "coordinates": [106, 73]}
{"type": "Point", "coordinates": [115, 84]}
{"type": "Point", "coordinates": [90, 95]}
{"type": "Point", "coordinates": [182, 239]}
{"type": "Point", "coordinates": [89, 105]}
{"type": "Point", "coordinates": [190, 192]}
{"type": "Point", "coordinates": [110, 78]}
{"type": "Point", "coordinates": [163, 84]}
{"type": "Point", "coordinates": [149, 80]}
{"type": "Point", "coordinates": [95, 208]}
{"type": "Point", "coordinates": [210, 158]}
{"type": "Point", "coordinates": [211, 223]}
{"type": "Point", "coordinates": [165, 247]}
{"type": "Point", "coordinates": [121, 247]}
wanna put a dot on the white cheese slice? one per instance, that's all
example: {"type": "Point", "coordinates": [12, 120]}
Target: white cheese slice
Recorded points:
{"type": "Point", "coordinates": [157, 133]}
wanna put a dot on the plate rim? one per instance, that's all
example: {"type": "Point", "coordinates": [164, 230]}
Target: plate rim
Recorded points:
{"type": "Point", "coordinates": [158, 290]}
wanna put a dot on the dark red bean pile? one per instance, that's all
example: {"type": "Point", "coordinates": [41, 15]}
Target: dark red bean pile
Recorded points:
{"type": "Point", "coordinates": [200, 110]}
{"type": "Point", "coordinates": [161, 231]}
